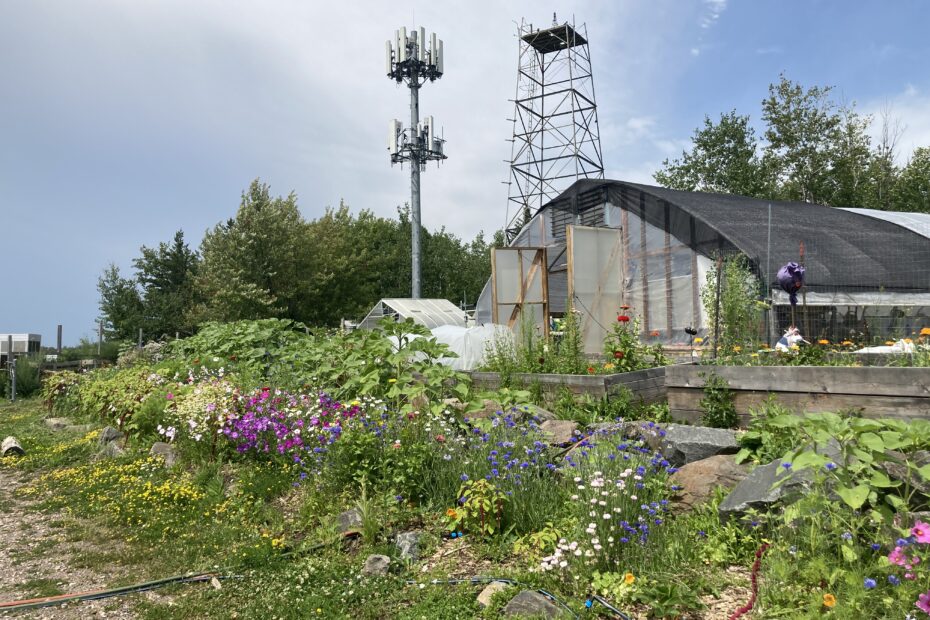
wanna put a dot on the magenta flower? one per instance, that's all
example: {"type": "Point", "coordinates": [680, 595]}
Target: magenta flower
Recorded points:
{"type": "Point", "coordinates": [897, 557]}
{"type": "Point", "coordinates": [921, 532]}
{"type": "Point", "coordinates": [923, 602]}
{"type": "Point", "coordinates": [169, 396]}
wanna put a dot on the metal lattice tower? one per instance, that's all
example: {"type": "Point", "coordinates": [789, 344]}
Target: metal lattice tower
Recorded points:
{"type": "Point", "coordinates": [409, 61]}
{"type": "Point", "coordinates": [555, 133]}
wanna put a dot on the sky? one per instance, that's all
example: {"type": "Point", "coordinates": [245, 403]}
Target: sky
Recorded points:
{"type": "Point", "coordinates": [122, 122]}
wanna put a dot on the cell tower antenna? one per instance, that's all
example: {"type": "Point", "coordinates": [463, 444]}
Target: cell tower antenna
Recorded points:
{"type": "Point", "coordinates": [556, 140]}
{"type": "Point", "coordinates": [411, 61]}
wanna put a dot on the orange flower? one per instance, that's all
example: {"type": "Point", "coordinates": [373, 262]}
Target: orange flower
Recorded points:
{"type": "Point", "coordinates": [829, 600]}
{"type": "Point", "coordinates": [451, 513]}
{"type": "Point", "coordinates": [590, 370]}
{"type": "Point", "coordinates": [624, 307]}
{"type": "Point", "coordinates": [823, 341]}
{"type": "Point", "coordinates": [925, 331]}
{"type": "Point", "coordinates": [654, 333]}
{"type": "Point", "coordinates": [618, 355]}
{"type": "Point", "coordinates": [629, 578]}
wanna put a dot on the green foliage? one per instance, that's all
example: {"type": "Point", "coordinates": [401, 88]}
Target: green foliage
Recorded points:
{"type": "Point", "coordinates": [28, 379]}
{"type": "Point", "coordinates": [717, 403]}
{"type": "Point", "coordinates": [740, 313]}
{"type": "Point", "coordinates": [667, 599]}
{"type": "Point", "coordinates": [813, 150]}
{"type": "Point", "coordinates": [864, 445]}
{"type": "Point", "coordinates": [723, 158]}
{"type": "Point", "coordinates": [625, 352]}
{"type": "Point", "coordinates": [482, 511]}
{"type": "Point", "coordinates": [765, 441]}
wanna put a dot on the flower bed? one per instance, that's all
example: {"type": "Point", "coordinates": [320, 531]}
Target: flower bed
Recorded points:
{"type": "Point", "coordinates": [646, 385]}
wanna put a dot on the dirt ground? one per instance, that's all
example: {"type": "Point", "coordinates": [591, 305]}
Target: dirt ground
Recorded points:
{"type": "Point", "coordinates": [36, 557]}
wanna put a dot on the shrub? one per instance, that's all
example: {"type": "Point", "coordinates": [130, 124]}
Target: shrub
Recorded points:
{"type": "Point", "coordinates": [717, 403]}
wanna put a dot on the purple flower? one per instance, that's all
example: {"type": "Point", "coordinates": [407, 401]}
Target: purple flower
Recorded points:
{"type": "Point", "coordinates": [830, 466]}
{"type": "Point", "coordinates": [786, 465]}
{"type": "Point", "coordinates": [869, 583]}
{"type": "Point", "coordinates": [846, 536]}
{"type": "Point", "coordinates": [464, 477]}
{"type": "Point", "coordinates": [894, 580]}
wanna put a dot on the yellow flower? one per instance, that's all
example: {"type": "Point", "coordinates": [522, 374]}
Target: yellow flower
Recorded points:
{"type": "Point", "coordinates": [925, 331]}
{"type": "Point", "coordinates": [608, 366]}
{"type": "Point", "coordinates": [737, 349]}
{"type": "Point", "coordinates": [753, 355]}
{"type": "Point", "coordinates": [698, 340]}
{"type": "Point", "coordinates": [846, 343]}
{"type": "Point", "coordinates": [822, 341]}
{"type": "Point", "coordinates": [889, 342]}
{"type": "Point", "coordinates": [392, 380]}
{"type": "Point", "coordinates": [829, 600]}
{"type": "Point", "coordinates": [628, 579]}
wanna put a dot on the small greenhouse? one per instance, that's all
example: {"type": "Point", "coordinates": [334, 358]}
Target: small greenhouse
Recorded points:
{"type": "Point", "coordinates": [427, 312]}
{"type": "Point", "coordinates": [608, 244]}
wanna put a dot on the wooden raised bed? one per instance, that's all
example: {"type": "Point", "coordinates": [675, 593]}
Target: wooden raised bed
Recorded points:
{"type": "Point", "coordinates": [877, 392]}
{"type": "Point", "coordinates": [647, 385]}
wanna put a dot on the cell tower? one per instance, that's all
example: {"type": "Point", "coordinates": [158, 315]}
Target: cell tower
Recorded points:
{"type": "Point", "coordinates": [555, 134]}
{"type": "Point", "coordinates": [409, 61]}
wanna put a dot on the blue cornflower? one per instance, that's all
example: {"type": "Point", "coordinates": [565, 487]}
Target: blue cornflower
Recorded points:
{"type": "Point", "coordinates": [830, 466]}
{"type": "Point", "coordinates": [464, 477]}
{"type": "Point", "coordinates": [702, 534]}
{"type": "Point", "coordinates": [894, 580]}
{"type": "Point", "coordinates": [786, 465]}
{"type": "Point", "coordinates": [846, 536]}
{"type": "Point", "coordinates": [494, 472]}
{"type": "Point", "coordinates": [869, 583]}
{"type": "Point", "coordinates": [875, 546]}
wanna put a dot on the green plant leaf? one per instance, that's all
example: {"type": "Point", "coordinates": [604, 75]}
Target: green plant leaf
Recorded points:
{"type": "Point", "coordinates": [854, 497]}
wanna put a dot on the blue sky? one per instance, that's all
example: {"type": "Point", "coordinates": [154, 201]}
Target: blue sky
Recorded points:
{"type": "Point", "coordinates": [121, 122]}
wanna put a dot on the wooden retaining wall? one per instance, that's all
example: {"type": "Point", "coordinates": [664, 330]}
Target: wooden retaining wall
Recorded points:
{"type": "Point", "coordinates": [647, 385]}
{"type": "Point", "coordinates": [877, 392]}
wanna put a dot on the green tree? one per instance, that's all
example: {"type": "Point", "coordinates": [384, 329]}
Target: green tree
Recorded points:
{"type": "Point", "coordinates": [120, 305]}
{"type": "Point", "coordinates": [255, 265]}
{"type": "Point", "coordinates": [723, 158]}
{"type": "Point", "coordinates": [166, 275]}
{"type": "Point", "coordinates": [911, 191]}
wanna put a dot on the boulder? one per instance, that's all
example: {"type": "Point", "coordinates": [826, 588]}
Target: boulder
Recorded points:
{"type": "Point", "coordinates": [560, 432]}
{"type": "Point", "coordinates": [453, 404]}
{"type": "Point", "coordinates": [58, 424]}
{"type": "Point", "coordinates": [685, 444]}
{"type": "Point", "coordinates": [79, 428]}
{"type": "Point", "coordinates": [541, 415]}
{"type": "Point", "coordinates": [529, 603]}
{"type": "Point", "coordinates": [349, 521]}
{"type": "Point", "coordinates": [484, 598]}
{"type": "Point", "coordinates": [756, 490]}
{"type": "Point", "coordinates": [108, 434]}
{"type": "Point", "coordinates": [488, 409]}
{"type": "Point", "coordinates": [166, 451]}
{"type": "Point", "coordinates": [376, 565]}
{"type": "Point", "coordinates": [110, 451]}
{"type": "Point", "coordinates": [696, 481]}
{"type": "Point", "coordinates": [408, 545]}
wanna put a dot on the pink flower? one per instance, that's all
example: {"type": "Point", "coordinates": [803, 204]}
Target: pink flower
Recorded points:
{"type": "Point", "coordinates": [169, 396]}
{"type": "Point", "coordinates": [923, 602]}
{"type": "Point", "coordinates": [897, 557]}
{"type": "Point", "coordinates": [922, 532]}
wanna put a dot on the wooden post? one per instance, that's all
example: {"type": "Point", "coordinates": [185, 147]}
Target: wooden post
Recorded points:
{"type": "Point", "coordinates": [717, 306]}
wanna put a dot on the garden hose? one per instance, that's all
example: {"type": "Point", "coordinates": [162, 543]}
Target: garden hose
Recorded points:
{"type": "Point", "coordinates": [91, 595]}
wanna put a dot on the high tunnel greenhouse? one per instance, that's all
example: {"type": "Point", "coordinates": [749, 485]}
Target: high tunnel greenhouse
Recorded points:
{"type": "Point", "coordinates": [608, 244]}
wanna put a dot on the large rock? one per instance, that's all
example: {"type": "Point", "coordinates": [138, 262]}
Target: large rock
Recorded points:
{"type": "Point", "coordinates": [757, 490]}
{"type": "Point", "coordinates": [488, 409]}
{"type": "Point", "coordinates": [79, 428]}
{"type": "Point", "coordinates": [58, 424]}
{"type": "Point", "coordinates": [166, 451]}
{"type": "Point", "coordinates": [108, 434]}
{"type": "Point", "coordinates": [110, 450]}
{"type": "Point", "coordinates": [484, 598]}
{"type": "Point", "coordinates": [560, 432]}
{"type": "Point", "coordinates": [376, 565]}
{"type": "Point", "coordinates": [696, 481]}
{"type": "Point", "coordinates": [538, 413]}
{"type": "Point", "coordinates": [685, 444]}
{"type": "Point", "coordinates": [408, 545]}
{"type": "Point", "coordinates": [529, 603]}
{"type": "Point", "coordinates": [349, 521]}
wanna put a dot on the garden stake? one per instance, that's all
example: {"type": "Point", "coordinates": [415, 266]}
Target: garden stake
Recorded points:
{"type": "Point", "coordinates": [745, 609]}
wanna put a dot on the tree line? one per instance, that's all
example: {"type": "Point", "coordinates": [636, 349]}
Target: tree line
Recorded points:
{"type": "Point", "coordinates": [813, 149]}
{"type": "Point", "coordinates": [269, 261]}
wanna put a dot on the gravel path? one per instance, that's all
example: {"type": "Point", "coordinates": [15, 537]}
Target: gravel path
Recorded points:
{"type": "Point", "coordinates": [36, 556]}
